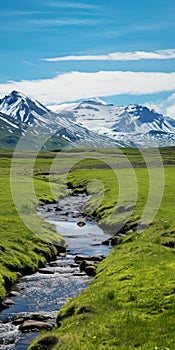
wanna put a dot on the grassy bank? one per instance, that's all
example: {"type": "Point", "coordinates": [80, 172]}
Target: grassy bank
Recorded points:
{"type": "Point", "coordinates": [131, 302]}
{"type": "Point", "coordinates": [21, 248]}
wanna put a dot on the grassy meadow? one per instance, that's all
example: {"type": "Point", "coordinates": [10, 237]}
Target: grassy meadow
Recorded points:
{"type": "Point", "coordinates": [130, 303]}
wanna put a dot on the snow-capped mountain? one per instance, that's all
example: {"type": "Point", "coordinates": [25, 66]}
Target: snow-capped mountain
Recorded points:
{"type": "Point", "coordinates": [92, 123]}
{"type": "Point", "coordinates": [134, 125]}
{"type": "Point", "coordinates": [23, 116]}
{"type": "Point", "coordinates": [22, 108]}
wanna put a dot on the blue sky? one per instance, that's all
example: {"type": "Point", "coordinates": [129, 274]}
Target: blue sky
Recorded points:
{"type": "Point", "coordinates": [60, 51]}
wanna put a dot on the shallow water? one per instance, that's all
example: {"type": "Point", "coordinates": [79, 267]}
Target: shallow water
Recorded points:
{"type": "Point", "coordinates": [47, 293]}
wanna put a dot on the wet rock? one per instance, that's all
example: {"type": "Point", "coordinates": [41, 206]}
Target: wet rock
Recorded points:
{"type": "Point", "coordinates": [84, 264]}
{"type": "Point", "coordinates": [54, 264]}
{"type": "Point", "coordinates": [111, 241]}
{"type": "Point", "coordinates": [114, 240]}
{"type": "Point", "coordinates": [13, 293]}
{"type": "Point", "coordinates": [18, 321]}
{"type": "Point", "coordinates": [18, 275]}
{"type": "Point", "coordinates": [52, 252]}
{"type": "Point", "coordinates": [95, 244]}
{"type": "Point", "coordinates": [61, 249]}
{"type": "Point", "coordinates": [8, 303]}
{"type": "Point", "coordinates": [88, 264]}
{"type": "Point", "coordinates": [98, 258]}
{"type": "Point", "coordinates": [107, 241]}
{"type": "Point", "coordinates": [79, 258]}
{"type": "Point", "coordinates": [73, 265]}
{"type": "Point", "coordinates": [62, 255]}
{"type": "Point", "coordinates": [58, 209]}
{"type": "Point", "coordinates": [46, 271]}
{"type": "Point", "coordinates": [90, 270]}
{"type": "Point", "coordinates": [33, 325]}
{"type": "Point", "coordinates": [81, 223]}
{"type": "Point", "coordinates": [32, 317]}
{"type": "Point", "coordinates": [40, 317]}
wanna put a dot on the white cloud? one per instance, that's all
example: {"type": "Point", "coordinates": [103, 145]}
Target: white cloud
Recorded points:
{"type": "Point", "coordinates": [171, 111]}
{"type": "Point", "coordinates": [119, 56]}
{"type": "Point", "coordinates": [166, 106]}
{"type": "Point", "coordinates": [63, 22]}
{"type": "Point", "coordinates": [74, 5]}
{"type": "Point", "coordinates": [77, 85]}
{"type": "Point", "coordinates": [39, 24]}
{"type": "Point", "coordinates": [20, 13]}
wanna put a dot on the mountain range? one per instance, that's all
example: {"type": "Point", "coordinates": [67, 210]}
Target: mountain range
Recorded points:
{"type": "Point", "coordinates": [38, 127]}
{"type": "Point", "coordinates": [91, 123]}
{"type": "Point", "coordinates": [134, 125]}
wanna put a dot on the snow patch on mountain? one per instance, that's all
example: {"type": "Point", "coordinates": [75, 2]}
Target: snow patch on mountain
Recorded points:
{"type": "Point", "coordinates": [21, 107]}
{"type": "Point", "coordinates": [134, 123]}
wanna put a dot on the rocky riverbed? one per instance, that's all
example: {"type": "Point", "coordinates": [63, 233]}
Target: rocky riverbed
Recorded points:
{"type": "Point", "coordinates": [34, 303]}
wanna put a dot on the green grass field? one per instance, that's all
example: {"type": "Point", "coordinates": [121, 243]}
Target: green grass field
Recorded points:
{"type": "Point", "coordinates": [130, 304]}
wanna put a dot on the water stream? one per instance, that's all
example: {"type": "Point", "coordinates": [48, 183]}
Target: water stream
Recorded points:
{"type": "Point", "coordinates": [45, 292]}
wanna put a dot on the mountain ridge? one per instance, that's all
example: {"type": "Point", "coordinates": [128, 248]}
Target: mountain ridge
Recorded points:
{"type": "Point", "coordinates": [33, 120]}
{"type": "Point", "coordinates": [133, 124]}
{"type": "Point", "coordinates": [90, 123]}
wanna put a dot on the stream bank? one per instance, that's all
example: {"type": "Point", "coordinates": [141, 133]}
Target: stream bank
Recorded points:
{"type": "Point", "coordinates": [40, 296]}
